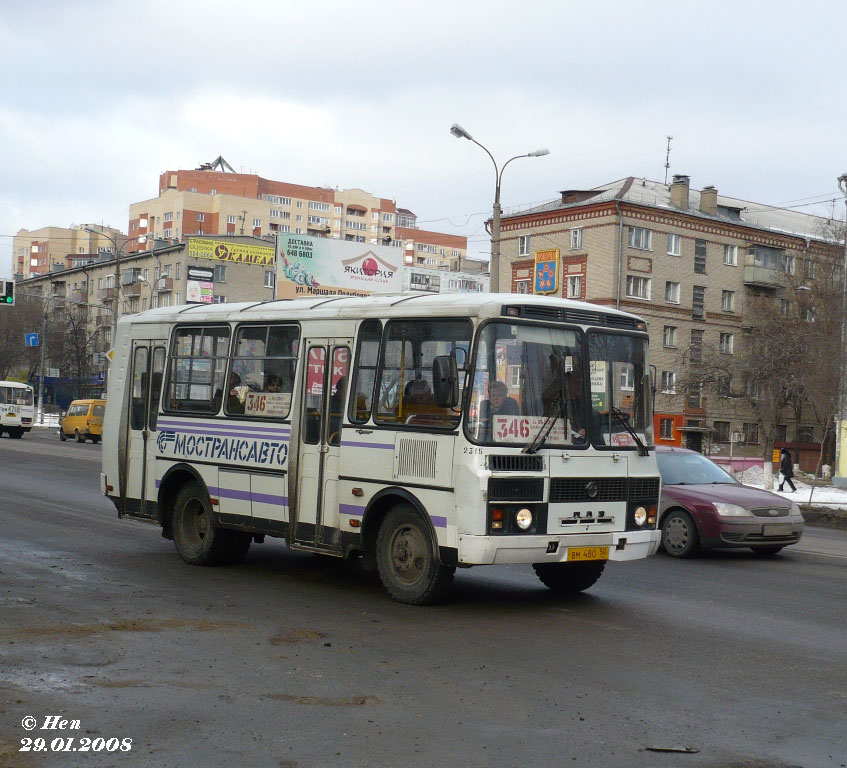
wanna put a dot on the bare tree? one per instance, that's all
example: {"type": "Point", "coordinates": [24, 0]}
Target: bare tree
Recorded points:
{"type": "Point", "coordinates": [15, 322]}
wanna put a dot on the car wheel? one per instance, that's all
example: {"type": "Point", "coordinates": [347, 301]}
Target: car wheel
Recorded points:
{"type": "Point", "coordinates": [197, 541]}
{"type": "Point", "coordinates": [766, 551]}
{"type": "Point", "coordinates": [405, 557]}
{"type": "Point", "coordinates": [569, 578]}
{"type": "Point", "coordinates": [62, 435]}
{"type": "Point", "coordinates": [78, 436]}
{"type": "Point", "coordinates": [95, 439]}
{"type": "Point", "coordinates": [16, 434]}
{"type": "Point", "coordinates": [679, 534]}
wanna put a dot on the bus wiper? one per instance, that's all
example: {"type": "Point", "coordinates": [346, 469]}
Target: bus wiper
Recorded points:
{"type": "Point", "coordinates": [624, 420]}
{"type": "Point", "coordinates": [540, 436]}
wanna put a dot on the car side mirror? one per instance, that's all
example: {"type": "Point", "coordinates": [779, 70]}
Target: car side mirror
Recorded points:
{"type": "Point", "coordinates": [445, 381]}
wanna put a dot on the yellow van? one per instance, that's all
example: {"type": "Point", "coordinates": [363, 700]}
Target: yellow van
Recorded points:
{"type": "Point", "coordinates": [83, 421]}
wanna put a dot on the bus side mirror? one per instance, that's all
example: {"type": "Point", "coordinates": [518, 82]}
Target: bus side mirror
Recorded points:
{"type": "Point", "coordinates": [445, 381]}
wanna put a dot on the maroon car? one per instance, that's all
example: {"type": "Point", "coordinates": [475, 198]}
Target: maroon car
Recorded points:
{"type": "Point", "coordinates": [704, 507]}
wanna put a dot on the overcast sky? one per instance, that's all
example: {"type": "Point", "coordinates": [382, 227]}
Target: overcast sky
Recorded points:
{"type": "Point", "coordinates": [101, 97]}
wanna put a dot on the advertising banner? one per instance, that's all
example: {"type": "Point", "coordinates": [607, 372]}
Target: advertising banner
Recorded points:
{"type": "Point", "coordinates": [199, 285]}
{"type": "Point", "coordinates": [317, 266]}
{"type": "Point", "coordinates": [225, 250]}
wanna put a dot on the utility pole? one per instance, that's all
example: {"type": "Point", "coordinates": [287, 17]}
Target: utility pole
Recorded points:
{"type": "Point", "coordinates": [840, 476]}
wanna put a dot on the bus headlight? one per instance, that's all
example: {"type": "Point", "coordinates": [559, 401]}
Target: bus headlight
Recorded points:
{"type": "Point", "coordinates": [523, 518]}
{"type": "Point", "coordinates": [640, 515]}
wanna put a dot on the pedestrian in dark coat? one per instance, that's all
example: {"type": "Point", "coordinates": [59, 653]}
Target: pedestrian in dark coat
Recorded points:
{"type": "Point", "coordinates": [786, 468]}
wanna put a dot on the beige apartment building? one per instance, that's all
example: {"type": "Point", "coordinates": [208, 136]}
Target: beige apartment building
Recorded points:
{"type": "Point", "coordinates": [683, 259]}
{"type": "Point", "coordinates": [206, 201]}
{"type": "Point", "coordinates": [38, 251]}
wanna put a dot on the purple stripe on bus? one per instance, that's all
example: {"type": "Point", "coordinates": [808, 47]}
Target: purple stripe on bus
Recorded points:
{"type": "Point", "coordinates": [261, 498]}
{"type": "Point", "coordinates": [438, 521]}
{"type": "Point", "coordinates": [267, 498]}
{"type": "Point", "coordinates": [357, 444]}
{"type": "Point", "coordinates": [243, 428]}
{"type": "Point", "coordinates": [351, 509]}
{"type": "Point", "coordinates": [215, 433]}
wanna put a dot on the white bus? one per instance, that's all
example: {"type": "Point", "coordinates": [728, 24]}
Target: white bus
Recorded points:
{"type": "Point", "coordinates": [16, 408]}
{"type": "Point", "coordinates": [421, 433]}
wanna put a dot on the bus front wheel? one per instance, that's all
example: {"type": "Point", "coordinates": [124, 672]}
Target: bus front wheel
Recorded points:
{"type": "Point", "coordinates": [197, 540]}
{"type": "Point", "coordinates": [405, 557]}
{"type": "Point", "coordinates": [569, 578]}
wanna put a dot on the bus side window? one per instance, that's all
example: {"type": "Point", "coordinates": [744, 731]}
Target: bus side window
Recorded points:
{"type": "Point", "coordinates": [364, 372]}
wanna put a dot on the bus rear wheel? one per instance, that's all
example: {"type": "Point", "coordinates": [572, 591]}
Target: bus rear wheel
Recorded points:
{"type": "Point", "coordinates": [405, 557]}
{"type": "Point", "coordinates": [16, 433]}
{"type": "Point", "coordinates": [197, 540]}
{"type": "Point", "coordinates": [569, 578]}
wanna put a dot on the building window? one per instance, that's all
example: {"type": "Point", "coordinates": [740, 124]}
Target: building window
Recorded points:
{"type": "Point", "coordinates": [700, 257]}
{"type": "Point", "coordinates": [523, 245]}
{"type": "Point", "coordinates": [269, 278]}
{"type": "Point", "coordinates": [669, 382]}
{"type": "Point", "coordinates": [637, 287]}
{"type": "Point", "coordinates": [694, 396]}
{"type": "Point", "coordinates": [388, 217]}
{"type": "Point", "coordinates": [674, 242]}
{"type": "Point", "coordinates": [720, 432]}
{"type": "Point", "coordinates": [220, 273]}
{"type": "Point", "coordinates": [751, 433]}
{"type": "Point", "coordinates": [672, 293]}
{"type": "Point", "coordinates": [257, 223]}
{"type": "Point", "coordinates": [666, 429]}
{"type": "Point", "coordinates": [724, 386]}
{"type": "Point", "coordinates": [698, 302]}
{"type": "Point", "coordinates": [669, 336]}
{"type": "Point", "coordinates": [728, 301]}
{"type": "Point", "coordinates": [789, 263]}
{"type": "Point", "coordinates": [576, 239]}
{"type": "Point", "coordinates": [575, 286]}
{"type": "Point", "coordinates": [810, 269]}
{"type": "Point", "coordinates": [201, 217]}
{"type": "Point", "coordinates": [640, 238]}
{"type": "Point", "coordinates": [805, 434]}
{"type": "Point", "coordinates": [178, 266]}
{"type": "Point", "coordinates": [727, 343]}
{"type": "Point", "coordinates": [781, 433]}
{"type": "Point", "coordinates": [219, 299]}
{"type": "Point", "coordinates": [696, 349]}
{"type": "Point", "coordinates": [320, 206]}
{"type": "Point", "coordinates": [522, 286]}
{"type": "Point", "coordinates": [730, 255]}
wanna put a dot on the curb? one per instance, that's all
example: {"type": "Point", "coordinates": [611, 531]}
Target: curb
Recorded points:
{"type": "Point", "coordinates": [824, 517]}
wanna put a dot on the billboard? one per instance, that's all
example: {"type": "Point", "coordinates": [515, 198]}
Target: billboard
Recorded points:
{"type": "Point", "coordinates": [199, 285]}
{"type": "Point", "coordinates": [317, 266]}
{"type": "Point", "coordinates": [226, 250]}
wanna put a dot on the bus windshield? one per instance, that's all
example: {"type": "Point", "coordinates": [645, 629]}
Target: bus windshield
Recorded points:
{"type": "Point", "coordinates": [620, 389]}
{"type": "Point", "coordinates": [528, 379]}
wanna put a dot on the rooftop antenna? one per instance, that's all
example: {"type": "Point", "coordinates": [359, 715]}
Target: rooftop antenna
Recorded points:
{"type": "Point", "coordinates": [668, 159]}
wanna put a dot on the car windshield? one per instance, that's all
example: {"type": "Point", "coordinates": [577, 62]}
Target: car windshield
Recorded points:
{"type": "Point", "coordinates": [620, 389]}
{"type": "Point", "coordinates": [528, 383]}
{"type": "Point", "coordinates": [691, 469]}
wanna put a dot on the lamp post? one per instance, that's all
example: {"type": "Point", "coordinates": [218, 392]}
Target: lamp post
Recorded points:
{"type": "Point", "coordinates": [116, 298]}
{"type": "Point", "coordinates": [39, 416]}
{"type": "Point", "coordinates": [494, 266]}
{"type": "Point", "coordinates": [840, 478]}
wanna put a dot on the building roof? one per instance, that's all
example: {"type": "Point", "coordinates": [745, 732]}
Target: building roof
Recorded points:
{"type": "Point", "coordinates": [656, 194]}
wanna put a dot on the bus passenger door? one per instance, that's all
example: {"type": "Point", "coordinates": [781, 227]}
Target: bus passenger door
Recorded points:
{"type": "Point", "coordinates": [316, 518]}
{"type": "Point", "coordinates": [148, 365]}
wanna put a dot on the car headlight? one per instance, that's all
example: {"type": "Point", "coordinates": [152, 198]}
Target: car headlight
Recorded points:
{"type": "Point", "coordinates": [640, 516]}
{"type": "Point", "coordinates": [523, 518]}
{"type": "Point", "coordinates": [731, 510]}
{"type": "Point", "coordinates": [795, 509]}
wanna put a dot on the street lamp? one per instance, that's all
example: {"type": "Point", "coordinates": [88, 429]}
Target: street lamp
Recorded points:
{"type": "Point", "coordinates": [840, 478]}
{"type": "Point", "coordinates": [39, 415]}
{"type": "Point", "coordinates": [116, 297]}
{"type": "Point", "coordinates": [494, 266]}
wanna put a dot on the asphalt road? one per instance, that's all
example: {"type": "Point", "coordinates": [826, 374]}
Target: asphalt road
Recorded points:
{"type": "Point", "coordinates": [295, 660]}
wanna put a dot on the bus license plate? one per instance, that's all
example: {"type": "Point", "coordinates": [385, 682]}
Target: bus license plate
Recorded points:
{"type": "Point", "coordinates": [578, 554]}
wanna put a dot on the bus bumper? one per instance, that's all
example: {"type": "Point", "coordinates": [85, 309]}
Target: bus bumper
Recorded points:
{"type": "Point", "coordinates": [487, 550]}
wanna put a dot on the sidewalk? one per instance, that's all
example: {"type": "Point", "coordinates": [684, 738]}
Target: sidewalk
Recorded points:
{"type": "Point", "coordinates": [822, 505]}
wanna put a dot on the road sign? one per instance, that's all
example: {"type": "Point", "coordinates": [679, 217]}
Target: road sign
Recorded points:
{"type": "Point", "coordinates": [31, 339]}
{"type": "Point", "coordinates": [53, 373]}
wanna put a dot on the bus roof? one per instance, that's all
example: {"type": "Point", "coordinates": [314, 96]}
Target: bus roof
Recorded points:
{"type": "Point", "coordinates": [396, 305]}
{"type": "Point", "coordinates": [14, 384]}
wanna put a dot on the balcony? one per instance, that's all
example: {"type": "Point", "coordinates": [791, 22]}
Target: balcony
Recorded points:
{"type": "Point", "coordinates": [79, 296]}
{"type": "Point", "coordinates": [764, 277]}
{"type": "Point", "coordinates": [102, 320]}
{"type": "Point", "coordinates": [164, 284]}
{"type": "Point", "coordinates": [132, 289]}
{"type": "Point", "coordinates": [106, 294]}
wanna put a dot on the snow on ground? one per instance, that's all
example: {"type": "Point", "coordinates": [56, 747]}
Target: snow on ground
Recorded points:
{"type": "Point", "coordinates": [820, 496]}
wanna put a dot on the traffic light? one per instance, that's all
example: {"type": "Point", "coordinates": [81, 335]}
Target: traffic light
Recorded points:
{"type": "Point", "coordinates": [7, 291]}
